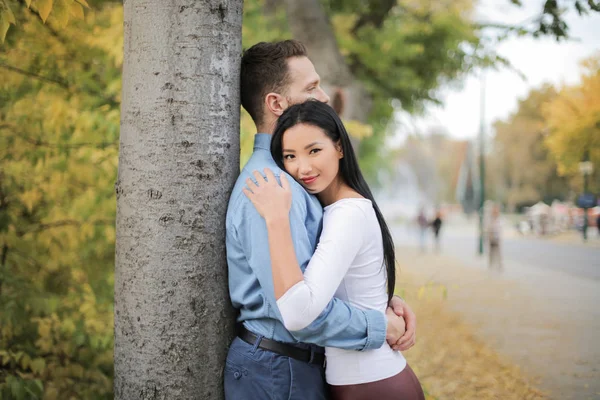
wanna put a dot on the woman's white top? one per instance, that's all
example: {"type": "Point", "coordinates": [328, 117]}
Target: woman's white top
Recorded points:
{"type": "Point", "coordinates": [348, 264]}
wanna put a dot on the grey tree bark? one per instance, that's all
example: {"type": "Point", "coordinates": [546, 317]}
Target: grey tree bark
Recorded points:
{"type": "Point", "coordinates": [179, 158]}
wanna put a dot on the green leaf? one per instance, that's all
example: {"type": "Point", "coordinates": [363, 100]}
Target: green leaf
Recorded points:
{"type": "Point", "coordinates": [38, 365]}
{"type": "Point", "coordinates": [39, 385]}
{"type": "Point", "coordinates": [16, 388]}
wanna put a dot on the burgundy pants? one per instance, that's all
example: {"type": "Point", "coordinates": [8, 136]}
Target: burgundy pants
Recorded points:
{"type": "Point", "coordinates": [404, 386]}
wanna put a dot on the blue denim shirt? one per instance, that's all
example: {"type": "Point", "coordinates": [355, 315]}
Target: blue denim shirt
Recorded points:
{"type": "Point", "coordinates": [249, 262]}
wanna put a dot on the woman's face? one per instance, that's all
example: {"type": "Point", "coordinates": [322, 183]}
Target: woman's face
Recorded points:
{"type": "Point", "coordinates": [311, 157]}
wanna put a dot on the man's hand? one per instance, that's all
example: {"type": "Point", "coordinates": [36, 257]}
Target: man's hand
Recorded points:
{"type": "Point", "coordinates": [395, 327]}
{"type": "Point", "coordinates": [402, 309]}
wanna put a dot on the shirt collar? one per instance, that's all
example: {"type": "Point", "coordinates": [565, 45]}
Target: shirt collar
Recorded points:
{"type": "Point", "coordinates": [262, 141]}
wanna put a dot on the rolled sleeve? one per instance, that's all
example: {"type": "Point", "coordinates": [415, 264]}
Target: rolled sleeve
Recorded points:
{"type": "Point", "coordinates": [376, 329]}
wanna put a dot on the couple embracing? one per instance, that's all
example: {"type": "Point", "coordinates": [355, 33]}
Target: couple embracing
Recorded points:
{"type": "Point", "coordinates": [311, 260]}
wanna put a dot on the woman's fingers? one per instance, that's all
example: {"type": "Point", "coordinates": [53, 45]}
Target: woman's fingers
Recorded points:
{"type": "Point", "coordinates": [266, 180]}
{"type": "Point", "coordinates": [248, 193]}
{"type": "Point", "coordinates": [251, 185]}
{"type": "Point", "coordinates": [260, 180]}
{"type": "Point", "coordinates": [270, 176]}
{"type": "Point", "coordinates": [284, 182]}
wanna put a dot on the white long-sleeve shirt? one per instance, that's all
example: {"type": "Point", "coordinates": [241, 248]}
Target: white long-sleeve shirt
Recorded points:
{"type": "Point", "coordinates": [348, 264]}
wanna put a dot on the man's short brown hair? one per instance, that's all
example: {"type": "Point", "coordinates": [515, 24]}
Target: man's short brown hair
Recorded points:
{"type": "Point", "coordinates": [265, 70]}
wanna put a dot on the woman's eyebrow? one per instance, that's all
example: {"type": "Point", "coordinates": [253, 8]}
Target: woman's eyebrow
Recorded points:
{"type": "Point", "coordinates": [311, 145]}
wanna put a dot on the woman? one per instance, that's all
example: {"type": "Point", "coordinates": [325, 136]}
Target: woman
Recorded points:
{"type": "Point", "coordinates": [354, 257]}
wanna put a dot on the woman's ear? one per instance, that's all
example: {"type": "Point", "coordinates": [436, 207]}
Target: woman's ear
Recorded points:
{"type": "Point", "coordinates": [338, 147]}
{"type": "Point", "coordinates": [276, 103]}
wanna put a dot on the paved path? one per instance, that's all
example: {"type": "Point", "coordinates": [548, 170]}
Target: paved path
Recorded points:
{"type": "Point", "coordinates": [542, 310]}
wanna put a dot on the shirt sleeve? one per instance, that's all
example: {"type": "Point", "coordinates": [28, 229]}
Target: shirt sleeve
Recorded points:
{"type": "Point", "coordinates": [339, 324]}
{"type": "Point", "coordinates": [339, 245]}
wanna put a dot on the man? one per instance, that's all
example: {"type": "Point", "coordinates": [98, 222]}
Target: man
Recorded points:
{"type": "Point", "coordinates": [494, 233]}
{"type": "Point", "coordinates": [266, 361]}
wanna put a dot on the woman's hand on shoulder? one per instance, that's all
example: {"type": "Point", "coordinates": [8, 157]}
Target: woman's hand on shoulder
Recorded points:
{"type": "Point", "coordinates": [271, 200]}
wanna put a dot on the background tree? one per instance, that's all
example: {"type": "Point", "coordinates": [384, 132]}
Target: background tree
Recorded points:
{"type": "Point", "coordinates": [60, 98]}
{"type": "Point", "coordinates": [573, 120]}
{"type": "Point", "coordinates": [521, 172]}
{"type": "Point", "coordinates": [375, 52]}
{"type": "Point", "coordinates": [178, 160]}
{"type": "Point", "coordinates": [59, 129]}
{"type": "Point", "coordinates": [550, 21]}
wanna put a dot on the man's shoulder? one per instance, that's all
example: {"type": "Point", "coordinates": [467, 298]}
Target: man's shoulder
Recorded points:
{"type": "Point", "coordinates": [238, 200]}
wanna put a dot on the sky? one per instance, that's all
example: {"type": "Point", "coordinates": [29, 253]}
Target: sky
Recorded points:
{"type": "Point", "coordinates": [540, 60]}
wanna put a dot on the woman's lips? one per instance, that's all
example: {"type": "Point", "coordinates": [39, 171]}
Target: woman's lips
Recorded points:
{"type": "Point", "coordinates": [308, 181]}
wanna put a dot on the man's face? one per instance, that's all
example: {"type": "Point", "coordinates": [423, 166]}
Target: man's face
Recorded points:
{"type": "Point", "coordinates": [305, 83]}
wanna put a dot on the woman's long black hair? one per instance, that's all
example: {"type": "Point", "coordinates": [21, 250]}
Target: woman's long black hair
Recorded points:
{"type": "Point", "coordinates": [323, 116]}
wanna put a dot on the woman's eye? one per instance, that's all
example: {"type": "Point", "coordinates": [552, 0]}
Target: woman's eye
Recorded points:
{"type": "Point", "coordinates": [314, 151]}
{"type": "Point", "coordinates": [288, 156]}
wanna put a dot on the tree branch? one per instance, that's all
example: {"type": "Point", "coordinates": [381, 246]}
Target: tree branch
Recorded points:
{"type": "Point", "coordinates": [63, 223]}
{"type": "Point", "coordinates": [60, 83]}
{"type": "Point", "coordinates": [100, 145]}
{"type": "Point", "coordinates": [379, 10]}
{"type": "Point", "coordinates": [39, 142]}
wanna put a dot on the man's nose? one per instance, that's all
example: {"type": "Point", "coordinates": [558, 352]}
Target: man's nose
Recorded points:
{"type": "Point", "coordinates": [322, 96]}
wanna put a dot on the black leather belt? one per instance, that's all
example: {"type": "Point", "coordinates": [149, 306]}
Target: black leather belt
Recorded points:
{"type": "Point", "coordinates": [288, 350]}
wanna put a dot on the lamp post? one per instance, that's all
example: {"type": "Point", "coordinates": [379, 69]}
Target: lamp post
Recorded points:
{"type": "Point", "coordinates": [481, 163]}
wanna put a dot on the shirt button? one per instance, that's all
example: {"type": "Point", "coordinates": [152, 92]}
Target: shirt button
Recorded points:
{"type": "Point", "coordinates": [237, 375]}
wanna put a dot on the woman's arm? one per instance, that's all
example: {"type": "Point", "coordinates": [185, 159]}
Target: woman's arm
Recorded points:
{"type": "Point", "coordinates": [284, 265]}
{"type": "Point", "coordinates": [273, 203]}
{"type": "Point", "coordinates": [301, 298]}
{"type": "Point", "coordinates": [339, 244]}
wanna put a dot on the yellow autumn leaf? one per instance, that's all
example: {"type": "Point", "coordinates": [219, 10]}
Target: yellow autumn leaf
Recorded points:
{"type": "Point", "coordinates": [76, 370]}
{"type": "Point", "coordinates": [358, 129]}
{"type": "Point", "coordinates": [61, 12]}
{"type": "Point", "coordinates": [43, 8]}
{"type": "Point", "coordinates": [76, 10]}
{"type": "Point", "coordinates": [30, 198]}
{"type": "Point", "coordinates": [421, 292]}
{"type": "Point", "coordinates": [6, 19]}
{"type": "Point", "coordinates": [51, 393]}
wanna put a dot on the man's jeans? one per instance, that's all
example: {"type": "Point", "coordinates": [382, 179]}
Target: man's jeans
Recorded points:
{"type": "Point", "coordinates": [252, 373]}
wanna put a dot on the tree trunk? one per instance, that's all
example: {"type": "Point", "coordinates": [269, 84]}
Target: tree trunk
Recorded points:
{"type": "Point", "coordinates": [310, 25]}
{"type": "Point", "coordinates": [178, 160]}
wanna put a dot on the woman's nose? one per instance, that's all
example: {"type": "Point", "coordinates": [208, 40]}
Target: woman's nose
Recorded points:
{"type": "Point", "coordinates": [305, 168]}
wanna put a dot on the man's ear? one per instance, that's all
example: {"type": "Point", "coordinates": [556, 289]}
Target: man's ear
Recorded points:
{"type": "Point", "coordinates": [276, 103]}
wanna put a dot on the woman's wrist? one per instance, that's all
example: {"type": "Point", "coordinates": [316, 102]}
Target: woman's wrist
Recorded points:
{"type": "Point", "coordinates": [277, 219]}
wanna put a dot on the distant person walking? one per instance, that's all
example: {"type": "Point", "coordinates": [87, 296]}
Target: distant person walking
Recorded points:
{"type": "Point", "coordinates": [494, 236]}
{"type": "Point", "coordinates": [436, 225]}
{"type": "Point", "coordinates": [423, 226]}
